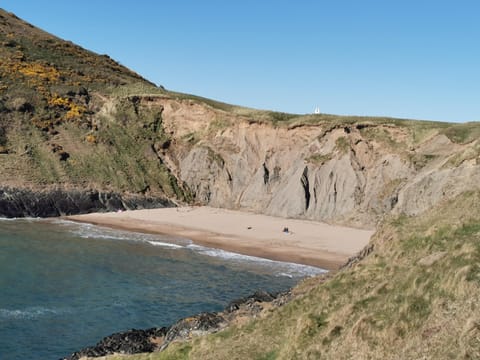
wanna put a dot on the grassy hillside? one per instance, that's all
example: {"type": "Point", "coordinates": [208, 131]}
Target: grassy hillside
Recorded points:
{"type": "Point", "coordinates": [53, 128]}
{"type": "Point", "coordinates": [416, 296]}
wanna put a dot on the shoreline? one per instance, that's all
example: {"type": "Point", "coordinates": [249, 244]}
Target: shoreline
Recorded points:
{"type": "Point", "coordinates": [307, 242]}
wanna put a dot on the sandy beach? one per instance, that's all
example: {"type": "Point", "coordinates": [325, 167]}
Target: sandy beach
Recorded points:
{"type": "Point", "coordinates": [306, 242]}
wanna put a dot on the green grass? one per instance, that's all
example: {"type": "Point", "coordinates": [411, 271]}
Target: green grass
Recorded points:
{"type": "Point", "coordinates": [419, 161]}
{"type": "Point", "coordinates": [201, 100]}
{"type": "Point", "coordinates": [388, 303]}
{"type": "Point", "coordinates": [319, 159]}
{"type": "Point", "coordinates": [279, 117]}
{"type": "Point", "coordinates": [173, 352]}
{"type": "Point", "coordinates": [218, 125]}
{"type": "Point", "coordinates": [342, 145]}
{"type": "Point", "coordinates": [135, 88]}
{"type": "Point", "coordinates": [271, 355]}
{"type": "Point", "coordinates": [463, 133]}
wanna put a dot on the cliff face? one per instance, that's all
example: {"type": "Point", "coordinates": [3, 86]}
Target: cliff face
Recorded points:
{"type": "Point", "coordinates": [73, 120]}
{"type": "Point", "coordinates": [343, 170]}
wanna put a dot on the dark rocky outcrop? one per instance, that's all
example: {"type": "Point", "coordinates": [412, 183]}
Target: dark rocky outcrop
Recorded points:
{"type": "Point", "coordinates": [156, 339]}
{"type": "Point", "coordinates": [199, 324]}
{"type": "Point", "coordinates": [129, 342]}
{"type": "Point", "coordinates": [59, 202]}
{"type": "Point", "coordinates": [258, 296]}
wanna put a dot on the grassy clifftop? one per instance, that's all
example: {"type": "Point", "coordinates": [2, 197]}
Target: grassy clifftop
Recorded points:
{"type": "Point", "coordinates": [416, 296]}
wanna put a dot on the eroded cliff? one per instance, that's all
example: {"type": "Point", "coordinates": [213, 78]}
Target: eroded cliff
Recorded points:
{"type": "Point", "coordinates": [319, 167]}
{"type": "Point", "coordinates": [73, 120]}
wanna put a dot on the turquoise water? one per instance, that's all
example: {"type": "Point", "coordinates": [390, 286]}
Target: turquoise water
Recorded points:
{"type": "Point", "coordinates": [64, 286]}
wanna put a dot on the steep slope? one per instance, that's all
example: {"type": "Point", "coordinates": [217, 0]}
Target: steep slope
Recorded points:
{"type": "Point", "coordinates": [415, 296]}
{"type": "Point", "coordinates": [53, 131]}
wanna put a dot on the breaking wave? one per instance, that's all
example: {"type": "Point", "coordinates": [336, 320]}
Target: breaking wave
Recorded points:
{"type": "Point", "coordinates": [30, 313]}
{"type": "Point", "coordinates": [280, 268]}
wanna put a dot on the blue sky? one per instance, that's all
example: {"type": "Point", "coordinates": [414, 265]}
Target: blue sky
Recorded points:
{"type": "Point", "coordinates": [401, 58]}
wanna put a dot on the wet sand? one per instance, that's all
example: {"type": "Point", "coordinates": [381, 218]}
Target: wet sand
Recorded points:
{"type": "Point", "coordinates": [307, 242]}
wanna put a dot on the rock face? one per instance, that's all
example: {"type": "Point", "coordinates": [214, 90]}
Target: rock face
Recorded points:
{"type": "Point", "coordinates": [200, 324]}
{"type": "Point", "coordinates": [345, 172]}
{"type": "Point", "coordinates": [340, 170]}
{"type": "Point", "coordinates": [71, 118]}
{"type": "Point", "coordinates": [350, 171]}
{"type": "Point", "coordinates": [28, 203]}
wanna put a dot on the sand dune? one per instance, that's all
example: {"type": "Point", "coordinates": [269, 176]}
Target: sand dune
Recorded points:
{"type": "Point", "coordinates": [307, 242]}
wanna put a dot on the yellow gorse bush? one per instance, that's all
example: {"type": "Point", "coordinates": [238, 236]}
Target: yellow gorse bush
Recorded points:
{"type": "Point", "coordinates": [35, 69]}
{"type": "Point", "coordinates": [92, 139]}
{"type": "Point", "coordinates": [74, 110]}
{"type": "Point", "coordinates": [59, 101]}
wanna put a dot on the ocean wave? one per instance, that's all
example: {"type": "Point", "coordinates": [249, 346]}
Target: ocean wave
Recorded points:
{"type": "Point", "coordinates": [30, 313]}
{"type": "Point", "coordinates": [223, 254]}
{"type": "Point", "coordinates": [89, 231]}
{"type": "Point", "coordinates": [164, 244]}
{"type": "Point", "coordinates": [280, 268]}
{"type": "Point", "coordinates": [298, 270]}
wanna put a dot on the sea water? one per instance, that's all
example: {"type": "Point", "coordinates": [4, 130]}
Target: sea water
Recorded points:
{"type": "Point", "coordinates": [64, 286]}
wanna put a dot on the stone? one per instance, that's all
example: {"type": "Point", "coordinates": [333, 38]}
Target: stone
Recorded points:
{"type": "Point", "coordinates": [129, 342]}
{"type": "Point", "coordinates": [59, 202]}
{"type": "Point", "coordinates": [258, 296]}
{"type": "Point", "coordinates": [194, 325]}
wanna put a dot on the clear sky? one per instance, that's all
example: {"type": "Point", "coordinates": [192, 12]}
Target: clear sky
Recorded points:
{"type": "Point", "coordinates": [403, 58]}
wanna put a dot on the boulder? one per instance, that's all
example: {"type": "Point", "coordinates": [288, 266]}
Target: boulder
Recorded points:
{"type": "Point", "coordinates": [258, 296]}
{"type": "Point", "coordinates": [195, 325]}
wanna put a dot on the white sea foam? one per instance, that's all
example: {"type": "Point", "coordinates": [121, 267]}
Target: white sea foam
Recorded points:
{"type": "Point", "coordinates": [285, 275]}
{"type": "Point", "coordinates": [89, 231]}
{"type": "Point", "coordinates": [227, 255]}
{"type": "Point", "coordinates": [163, 244]}
{"type": "Point", "coordinates": [30, 313]}
{"type": "Point", "coordinates": [279, 267]}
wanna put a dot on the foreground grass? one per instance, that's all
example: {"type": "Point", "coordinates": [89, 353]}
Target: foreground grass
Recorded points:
{"type": "Point", "coordinates": [417, 296]}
